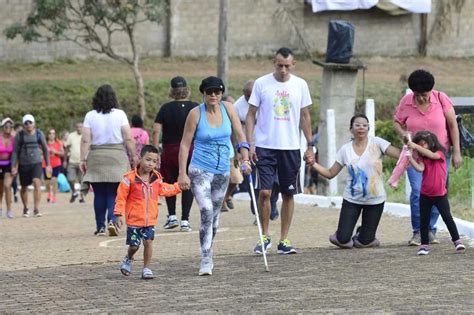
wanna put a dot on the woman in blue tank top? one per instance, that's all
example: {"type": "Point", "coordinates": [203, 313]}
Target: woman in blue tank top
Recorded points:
{"type": "Point", "coordinates": [211, 125]}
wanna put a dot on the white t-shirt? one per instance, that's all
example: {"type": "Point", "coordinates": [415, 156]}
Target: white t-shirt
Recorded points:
{"type": "Point", "coordinates": [365, 184]}
{"type": "Point", "coordinates": [242, 107]}
{"type": "Point", "coordinates": [279, 107]}
{"type": "Point", "coordinates": [106, 128]}
{"type": "Point", "coordinates": [73, 143]}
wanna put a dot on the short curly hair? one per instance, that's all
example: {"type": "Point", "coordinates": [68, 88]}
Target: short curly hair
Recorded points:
{"type": "Point", "coordinates": [104, 99]}
{"type": "Point", "coordinates": [421, 81]}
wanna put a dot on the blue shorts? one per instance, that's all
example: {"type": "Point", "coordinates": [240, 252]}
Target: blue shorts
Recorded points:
{"type": "Point", "coordinates": [282, 166]}
{"type": "Point", "coordinates": [135, 235]}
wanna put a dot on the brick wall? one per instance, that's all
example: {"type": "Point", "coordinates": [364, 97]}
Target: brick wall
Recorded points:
{"type": "Point", "coordinates": [259, 27]}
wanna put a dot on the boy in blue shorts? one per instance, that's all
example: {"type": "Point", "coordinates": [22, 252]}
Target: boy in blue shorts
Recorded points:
{"type": "Point", "coordinates": [137, 198]}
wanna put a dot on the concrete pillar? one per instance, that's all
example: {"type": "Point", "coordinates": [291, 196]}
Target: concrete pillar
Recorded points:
{"type": "Point", "coordinates": [338, 92]}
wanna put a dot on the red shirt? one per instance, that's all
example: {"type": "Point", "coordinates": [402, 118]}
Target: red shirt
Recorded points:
{"type": "Point", "coordinates": [433, 183]}
{"type": "Point", "coordinates": [55, 159]}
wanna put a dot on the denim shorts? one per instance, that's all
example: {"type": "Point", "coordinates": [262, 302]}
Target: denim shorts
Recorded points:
{"type": "Point", "coordinates": [135, 235]}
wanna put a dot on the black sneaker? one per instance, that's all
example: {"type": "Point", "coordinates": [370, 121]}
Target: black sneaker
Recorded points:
{"type": "Point", "coordinates": [26, 212]}
{"type": "Point", "coordinates": [15, 198]}
{"type": "Point", "coordinates": [82, 200]}
{"type": "Point", "coordinates": [73, 197]}
{"type": "Point", "coordinates": [100, 232]}
{"type": "Point", "coordinates": [36, 213]}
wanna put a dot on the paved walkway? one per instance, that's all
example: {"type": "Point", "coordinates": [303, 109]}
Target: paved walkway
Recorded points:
{"type": "Point", "coordinates": [55, 264]}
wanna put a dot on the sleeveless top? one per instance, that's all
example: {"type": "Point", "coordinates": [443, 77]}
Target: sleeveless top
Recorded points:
{"type": "Point", "coordinates": [212, 145]}
{"type": "Point", "coordinates": [6, 150]}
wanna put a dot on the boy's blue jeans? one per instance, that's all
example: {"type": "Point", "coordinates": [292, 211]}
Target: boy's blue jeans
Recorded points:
{"type": "Point", "coordinates": [415, 178]}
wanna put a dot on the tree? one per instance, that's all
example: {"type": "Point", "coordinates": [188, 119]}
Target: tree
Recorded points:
{"type": "Point", "coordinates": [93, 25]}
{"type": "Point", "coordinates": [222, 55]}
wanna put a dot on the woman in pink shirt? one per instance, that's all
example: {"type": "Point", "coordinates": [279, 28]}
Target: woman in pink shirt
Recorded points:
{"type": "Point", "coordinates": [426, 109]}
{"type": "Point", "coordinates": [6, 148]}
{"type": "Point", "coordinates": [433, 187]}
{"type": "Point", "coordinates": [140, 136]}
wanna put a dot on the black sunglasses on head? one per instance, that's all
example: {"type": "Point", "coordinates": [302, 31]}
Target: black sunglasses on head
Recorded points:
{"type": "Point", "coordinates": [213, 91]}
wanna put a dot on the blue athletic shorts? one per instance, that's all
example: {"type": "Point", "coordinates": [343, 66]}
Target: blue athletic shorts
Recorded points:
{"type": "Point", "coordinates": [135, 235]}
{"type": "Point", "coordinates": [281, 164]}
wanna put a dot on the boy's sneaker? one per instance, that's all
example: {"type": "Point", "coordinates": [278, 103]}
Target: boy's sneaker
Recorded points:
{"type": "Point", "coordinates": [185, 226]}
{"type": "Point", "coordinates": [10, 214]}
{"type": "Point", "coordinates": [36, 213]}
{"type": "Point", "coordinates": [432, 238]}
{"type": "Point", "coordinates": [100, 232]}
{"type": "Point", "coordinates": [284, 247]}
{"type": "Point", "coordinates": [460, 248]}
{"type": "Point", "coordinates": [126, 267]}
{"type": "Point", "coordinates": [206, 266]}
{"type": "Point", "coordinates": [15, 198]}
{"type": "Point", "coordinates": [82, 200]}
{"type": "Point", "coordinates": [267, 244]}
{"type": "Point", "coordinates": [147, 274]}
{"type": "Point", "coordinates": [229, 203]}
{"type": "Point", "coordinates": [415, 239]}
{"type": "Point", "coordinates": [171, 222]}
{"type": "Point", "coordinates": [423, 250]}
{"type": "Point", "coordinates": [73, 197]}
{"type": "Point", "coordinates": [26, 212]}
{"type": "Point", "coordinates": [112, 229]}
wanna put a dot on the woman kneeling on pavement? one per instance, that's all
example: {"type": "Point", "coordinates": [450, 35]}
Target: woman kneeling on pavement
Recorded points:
{"type": "Point", "coordinates": [210, 125]}
{"type": "Point", "coordinates": [364, 191]}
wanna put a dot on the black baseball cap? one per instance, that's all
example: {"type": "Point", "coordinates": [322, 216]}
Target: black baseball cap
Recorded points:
{"type": "Point", "coordinates": [212, 83]}
{"type": "Point", "coordinates": [178, 82]}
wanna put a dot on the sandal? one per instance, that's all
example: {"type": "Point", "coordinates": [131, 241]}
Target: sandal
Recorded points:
{"type": "Point", "coordinates": [147, 274]}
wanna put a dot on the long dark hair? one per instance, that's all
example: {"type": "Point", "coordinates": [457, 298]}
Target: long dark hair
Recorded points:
{"type": "Point", "coordinates": [104, 99]}
{"type": "Point", "coordinates": [430, 139]}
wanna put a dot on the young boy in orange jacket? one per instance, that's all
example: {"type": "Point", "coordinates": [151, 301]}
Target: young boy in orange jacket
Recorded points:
{"type": "Point", "coordinates": [137, 197]}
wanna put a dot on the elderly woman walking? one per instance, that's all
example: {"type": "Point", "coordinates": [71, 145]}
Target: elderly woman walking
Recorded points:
{"type": "Point", "coordinates": [103, 157]}
{"type": "Point", "coordinates": [210, 125]}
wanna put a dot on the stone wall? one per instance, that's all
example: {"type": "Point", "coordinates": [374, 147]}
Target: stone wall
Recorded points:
{"type": "Point", "coordinates": [259, 27]}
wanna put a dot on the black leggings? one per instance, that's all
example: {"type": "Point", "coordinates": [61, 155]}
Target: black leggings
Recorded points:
{"type": "Point", "coordinates": [350, 213]}
{"type": "Point", "coordinates": [442, 203]}
{"type": "Point", "coordinates": [186, 197]}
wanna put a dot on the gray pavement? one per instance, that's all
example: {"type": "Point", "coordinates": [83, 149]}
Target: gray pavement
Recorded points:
{"type": "Point", "coordinates": [54, 264]}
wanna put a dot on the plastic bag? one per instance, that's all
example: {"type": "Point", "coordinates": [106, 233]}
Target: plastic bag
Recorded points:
{"type": "Point", "coordinates": [466, 140]}
{"type": "Point", "coordinates": [63, 184]}
{"type": "Point", "coordinates": [340, 42]}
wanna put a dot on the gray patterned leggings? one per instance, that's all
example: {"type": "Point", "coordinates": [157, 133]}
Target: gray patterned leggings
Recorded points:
{"type": "Point", "coordinates": [209, 190]}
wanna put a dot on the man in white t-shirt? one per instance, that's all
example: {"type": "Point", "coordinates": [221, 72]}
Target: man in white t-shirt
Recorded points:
{"type": "Point", "coordinates": [74, 175]}
{"type": "Point", "coordinates": [282, 101]}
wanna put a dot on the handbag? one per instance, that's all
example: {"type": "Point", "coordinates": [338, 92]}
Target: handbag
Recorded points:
{"type": "Point", "coordinates": [466, 139]}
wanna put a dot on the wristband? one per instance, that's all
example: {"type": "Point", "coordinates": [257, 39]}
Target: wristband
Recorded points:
{"type": "Point", "coordinates": [241, 145]}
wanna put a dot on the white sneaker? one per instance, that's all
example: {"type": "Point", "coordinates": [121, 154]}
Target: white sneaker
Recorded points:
{"type": "Point", "coordinates": [185, 226]}
{"type": "Point", "coordinates": [10, 214]}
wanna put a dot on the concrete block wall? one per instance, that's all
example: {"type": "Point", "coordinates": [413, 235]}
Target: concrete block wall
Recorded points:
{"type": "Point", "coordinates": [256, 29]}
{"type": "Point", "coordinates": [151, 39]}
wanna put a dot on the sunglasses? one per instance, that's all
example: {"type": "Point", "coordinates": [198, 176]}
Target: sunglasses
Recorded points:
{"type": "Point", "coordinates": [26, 123]}
{"type": "Point", "coordinates": [213, 91]}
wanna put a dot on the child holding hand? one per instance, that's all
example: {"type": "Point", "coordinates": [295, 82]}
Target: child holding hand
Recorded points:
{"type": "Point", "coordinates": [432, 163]}
{"type": "Point", "coordinates": [137, 198]}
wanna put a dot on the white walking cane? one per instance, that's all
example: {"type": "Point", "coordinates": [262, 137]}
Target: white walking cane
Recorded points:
{"type": "Point", "coordinates": [259, 226]}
